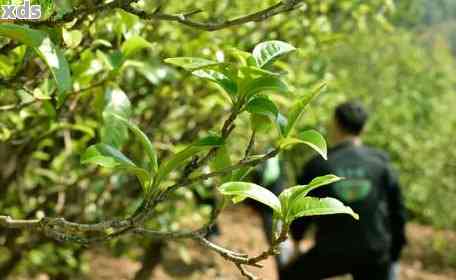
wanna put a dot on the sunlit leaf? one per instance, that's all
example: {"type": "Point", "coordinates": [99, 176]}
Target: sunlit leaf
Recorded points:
{"type": "Point", "coordinates": [221, 79]}
{"type": "Point", "coordinates": [291, 194]}
{"type": "Point", "coordinates": [42, 44]}
{"type": "Point", "coordinates": [312, 206]}
{"type": "Point", "coordinates": [113, 131]}
{"type": "Point", "coordinates": [266, 52]}
{"type": "Point", "coordinates": [299, 107]}
{"type": "Point", "coordinates": [311, 138]}
{"type": "Point", "coordinates": [240, 190]}
{"type": "Point", "coordinates": [72, 38]}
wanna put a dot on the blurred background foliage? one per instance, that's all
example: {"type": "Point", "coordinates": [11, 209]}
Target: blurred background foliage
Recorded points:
{"type": "Point", "coordinates": [395, 56]}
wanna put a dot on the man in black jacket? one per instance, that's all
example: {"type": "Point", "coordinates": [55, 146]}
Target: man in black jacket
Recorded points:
{"type": "Point", "coordinates": [365, 248]}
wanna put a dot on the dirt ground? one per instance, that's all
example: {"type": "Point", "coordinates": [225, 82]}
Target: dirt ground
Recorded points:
{"type": "Point", "coordinates": [241, 231]}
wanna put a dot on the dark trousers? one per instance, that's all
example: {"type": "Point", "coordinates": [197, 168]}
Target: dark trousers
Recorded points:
{"type": "Point", "coordinates": [315, 265]}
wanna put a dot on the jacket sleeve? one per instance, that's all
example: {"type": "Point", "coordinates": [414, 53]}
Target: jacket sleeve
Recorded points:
{"type": "Point", "coordinates": [397, 214]}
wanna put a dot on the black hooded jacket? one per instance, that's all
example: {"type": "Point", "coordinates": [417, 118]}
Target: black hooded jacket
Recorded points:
{"type": "Point", "coordinates": [371, 189]}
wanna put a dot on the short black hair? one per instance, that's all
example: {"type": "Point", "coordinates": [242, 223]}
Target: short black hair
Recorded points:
{"type": "Point", "coordinates": [351, 117]}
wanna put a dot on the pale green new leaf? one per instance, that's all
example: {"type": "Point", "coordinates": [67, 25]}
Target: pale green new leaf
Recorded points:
{"type": "Point", "coordinates": [43, 46]}
{"type": "Point", "coordinates": [253, 191]}
{"type": "Point", "coordinates": [219, 78]}
{"type": "Point", "coordinates": [312, 138]}
{"type": "Point", "coordinates": [288, 196]}
{"type": "Point", "coordinates": [266, 52]}
{"type": "Point", "coordinates": [299, 107]}
{"type": "Point", "coordinates": [72, 38]}
{"type": "Point", "coordinates": [312, 206]}
{"type": "Point", "coordinates": [245, 58]}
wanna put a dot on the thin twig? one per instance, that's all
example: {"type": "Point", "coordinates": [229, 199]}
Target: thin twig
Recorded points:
{"type": "Point", "coordinates": [182, 18]}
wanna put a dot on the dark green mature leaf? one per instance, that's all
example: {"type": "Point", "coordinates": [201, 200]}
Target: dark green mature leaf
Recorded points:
{"type": "Point", "coordinates": [266, 52]}
{"type": "Point", "coordinates": [261, 105]}
{"type": "Point", "coordinates": [288, 196]}
{"type": "Point", "coordinates": [311, 138]}
{"type": "Point", "coordinates": [178, 160]}
{"type": "Point", "coordinates": [299, 107]}
{"type": "Point", "coordinates": [109, 157]}
{"type": "Point", "coordinates": [142, 137]}
{"type": "Point", "coordinates": [191, 63]}
{"type": "Point", "coordinates": [240, 190]}
{"type": "Point", "coordinates": [43, 46]}
{"type": "Point", "coordinates": [265, 83]}
{"type": "Point", "coordinates": [312, 206]}
{"type": "Point", "coordinates": [219, 78]}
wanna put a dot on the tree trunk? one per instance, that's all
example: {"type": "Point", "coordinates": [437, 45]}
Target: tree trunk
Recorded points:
{"type": "Point", "coordinates": [151, 259]}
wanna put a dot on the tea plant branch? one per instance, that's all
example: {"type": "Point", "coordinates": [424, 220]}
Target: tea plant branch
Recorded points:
{"type": "Point", "coordinates": [182, 18]}
{"type": "Point", "coordinates": [74, 94]}
{"type": "Point", "coordinates": [250, 145]}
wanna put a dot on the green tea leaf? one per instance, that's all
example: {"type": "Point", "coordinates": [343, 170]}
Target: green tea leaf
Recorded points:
{"type": "Point", "coordinates": [288, 196]}
{"type": "Point", "coordinates": [265, 83]}
{"type": "Point", "coordinates": [191, 63]}
{"type": "Point", "coordinates": [109, 157]}
{"type": "Point", "coordinates": [220, 161]}
{"type": "Point", "coordinates": [114, 132]}
{"type": "Point", "coordinates": [43, 46]}
{"type": "Point", "coordinates": [311, 138]}
{"type": "Point", "coordinates": [253, 191]}
{"type": "Point", "coordinates": [72, 38]}
{"type": "Point", "coordinates": [142, 137]}
{"type": "Point", "coordinates": [266, 52]}
{"type": "Point", "coordinates": [221, 79]}
{"type": "Point", "coordinates": [245, 58]}
{"type": "Point", "coordinates": [299, 107]}
{"type": "Point", "coordinates": [261, 105]}
{"type": "Point", "coordinates": [134, 44]}
{"type": "Point", "coordinates": [178, 160]}
{"type": "Point", "coordinates": [312, 206]}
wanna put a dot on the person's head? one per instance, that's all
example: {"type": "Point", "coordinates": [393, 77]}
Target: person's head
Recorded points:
{"type": "Point", "coordinates": [348, 121]}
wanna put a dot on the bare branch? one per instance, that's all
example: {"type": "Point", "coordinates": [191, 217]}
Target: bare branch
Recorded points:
{"type": "Point", "coordinates": [182, 18]}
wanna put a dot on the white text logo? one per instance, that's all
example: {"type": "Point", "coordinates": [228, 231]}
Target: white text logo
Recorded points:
{"type": "Point", "coordinates": [24, 11]}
